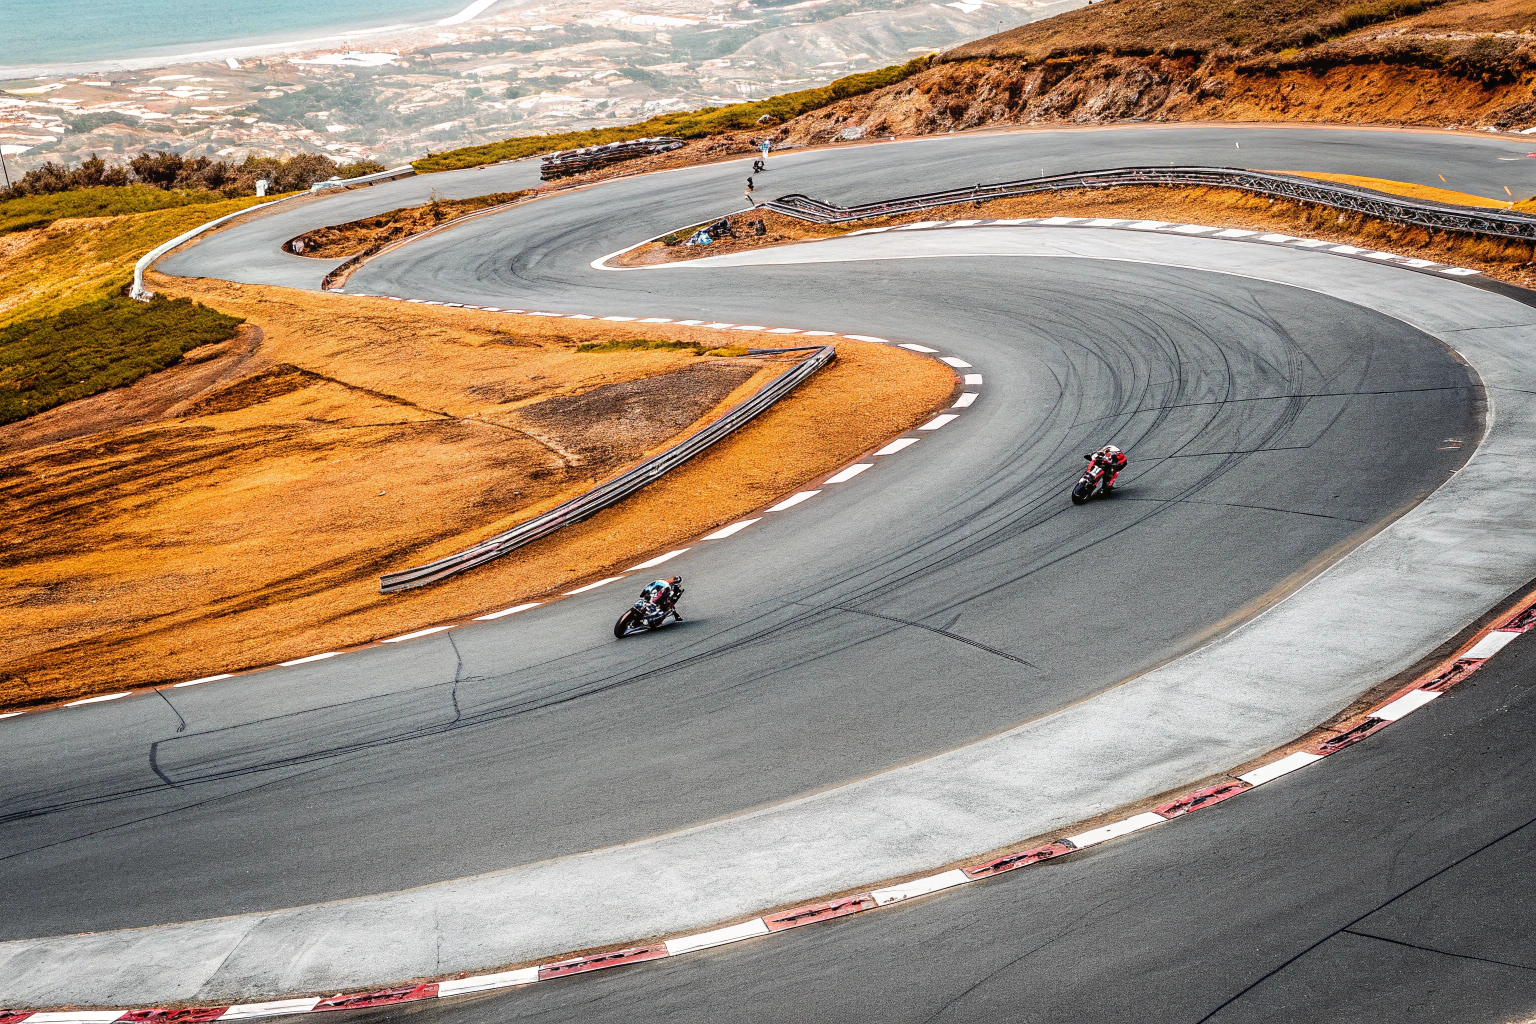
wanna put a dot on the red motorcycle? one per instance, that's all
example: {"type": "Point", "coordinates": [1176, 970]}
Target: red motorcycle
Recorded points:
{"type": "Point", "coordinates": [1094, 483]}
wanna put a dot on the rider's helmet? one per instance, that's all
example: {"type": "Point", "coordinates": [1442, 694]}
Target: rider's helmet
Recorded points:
{"type": "Point", "coordinates": [1110, 449]}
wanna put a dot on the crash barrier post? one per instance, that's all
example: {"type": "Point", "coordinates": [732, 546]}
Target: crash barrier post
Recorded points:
{"type": "Point", "coordinates": [1350, 198]}
{"type": "Point", "coordinates": [610, 493]}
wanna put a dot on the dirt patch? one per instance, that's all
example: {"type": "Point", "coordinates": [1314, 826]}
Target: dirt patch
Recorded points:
{"type": "Point", "coordinates": [1502, 259]}
{"type": "Point", "coordinates": [613, 424]}
{"type": "Point", "coordinates": [1094, 90]}
{"type": "Point", "coordinates": [370, 234]}
{"type": "Point", "coordinates": [243, 518]}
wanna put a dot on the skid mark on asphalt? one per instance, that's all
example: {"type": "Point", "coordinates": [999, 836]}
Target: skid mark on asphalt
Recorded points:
{"type": "Point", "coordinates": [942, 632]}
{"type": "Point", "coordinates": [1272, 972]}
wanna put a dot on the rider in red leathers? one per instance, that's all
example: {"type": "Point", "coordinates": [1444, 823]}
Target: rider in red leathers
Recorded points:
{"type": "Point", "coordinates": [1112, 460]}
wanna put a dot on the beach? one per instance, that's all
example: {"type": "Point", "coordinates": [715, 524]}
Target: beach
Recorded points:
{"type": "Point", "coordinates": [87, 37]}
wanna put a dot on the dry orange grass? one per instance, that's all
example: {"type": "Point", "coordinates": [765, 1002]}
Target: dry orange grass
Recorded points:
{"type": "Point", "coordinates": [1409, 189]}
{"type": "Point", "coordinates": [361, 436]}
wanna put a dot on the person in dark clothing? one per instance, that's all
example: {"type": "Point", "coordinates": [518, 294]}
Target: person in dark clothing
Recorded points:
{"type": "Point", "coordinates": [664, 595]}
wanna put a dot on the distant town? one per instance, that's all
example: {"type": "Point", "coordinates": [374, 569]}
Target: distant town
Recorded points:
{"type": "Point", "coordinates": [552, 68]}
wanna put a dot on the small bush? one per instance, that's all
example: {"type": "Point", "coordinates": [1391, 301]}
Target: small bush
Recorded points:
{"type": "Point", "coordinates": [164, 169]}
{"type": "Point", "coordinates": [96, 346]}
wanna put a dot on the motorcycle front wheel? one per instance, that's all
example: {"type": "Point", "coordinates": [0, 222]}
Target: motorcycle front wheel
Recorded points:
{"type": "Point", "coordinates": [1081, 491]}
{"type": "Point", "coordinates": [621, 628]}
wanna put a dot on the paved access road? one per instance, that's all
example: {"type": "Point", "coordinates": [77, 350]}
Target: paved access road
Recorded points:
{"type": "Point", "coordinates": [945, 596]}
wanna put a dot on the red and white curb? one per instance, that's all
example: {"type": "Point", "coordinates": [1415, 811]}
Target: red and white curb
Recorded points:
{"type": "Point", "coordinates": [1313, 748]}
{"type": "Point", "coordinates": [965, 400]}
{"type": "Point", "coordinates": [1191, 230]}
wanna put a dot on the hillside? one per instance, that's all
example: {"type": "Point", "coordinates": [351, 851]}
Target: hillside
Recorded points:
{"type": "Point", "coordinates": [1443, 63]}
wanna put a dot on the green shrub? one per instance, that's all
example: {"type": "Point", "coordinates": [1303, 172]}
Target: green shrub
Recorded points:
{"type": "Point", "coordinates": [96, 346]}
{"type": "Point", "coordinates": [38, 211]}
{"type": "Point", "coordinates": [638, 345]}
{"type": "Point", "coordinates": [691, 124]}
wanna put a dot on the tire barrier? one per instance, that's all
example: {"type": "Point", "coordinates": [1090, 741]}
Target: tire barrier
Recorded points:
{"type": "Point", "coordinates": [1350, 198]}
{"type": "Point", "coordinates": [610, 493]}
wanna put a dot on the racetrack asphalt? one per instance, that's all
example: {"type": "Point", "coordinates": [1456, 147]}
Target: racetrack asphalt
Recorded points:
{"type": "Point", "coordinates": [1389, 884]}
{"type": "Point", "coordinates": [1286, 425]}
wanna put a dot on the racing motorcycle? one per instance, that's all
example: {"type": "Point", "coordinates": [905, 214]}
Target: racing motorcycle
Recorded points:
{"type": "Point", "coordinates": [1090, 484]}
{"type": "Point", "coordinates": [646, 614]}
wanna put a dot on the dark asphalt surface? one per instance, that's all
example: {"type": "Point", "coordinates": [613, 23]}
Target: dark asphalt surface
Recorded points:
{"type": "Point", "coordinates": [1388, 884]}
{"type": "Point", "coordinates": [1266, 425]}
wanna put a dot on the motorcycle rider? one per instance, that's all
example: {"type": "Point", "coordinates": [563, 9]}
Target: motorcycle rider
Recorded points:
{"type": "Point", "coordinates": [1112, 460]}
{"type": "Point", "coordinates": [664, 594]}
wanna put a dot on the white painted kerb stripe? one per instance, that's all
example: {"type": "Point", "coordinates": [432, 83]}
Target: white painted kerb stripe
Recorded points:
{"type": "Point", "coordinates": [718, 937]}
{"type": "Point", "coordinates": [964, 401]}
{"type": "Point", "coordinates": [1275, 769]}
{"type": "Point", "coordinates": [593, 586]}
{"type": "Point", "coordinates": [733, 528]}
{"type": "Point", "coordinates": [1406, 704]}
{"type": "Point", "coordinates": [312, 657]}
{"type": "Point", "coordinates": [78, 1016]}
{"type": "Point", "coordinates": [955, 361]}
{"type": "Point", "coordinates": [657, 560]}
{"type": "Point", "coordinates": [919, 887]}
{"type": "Point", "coordinates": [419, 632]}
{"type": "Point", "coordinates": [868, 338]}
{"type": "Point", "coordinates": [850, 473]}
{"type": "Point", "coordinates": [938, 421]}
{"type": "Point", "coordinates": [204, 679]}
{"type": "Point", "coordinates": [486, 982]}
{"type": "Point", "coordinates": [897, 445]}
{"type": "Point", "coordinates": [507, 611]}
{"type": "Point", "coordinates": [972, 379]}
{"type": "Point", "coordinates": [279, 1008]}
{"type": "Point", "coordinates": [96, 700]}
{"type": "Point", "coordinates": [1491, 644]}
{"type": "Point", "coordinates": [793, 500]}
{"type": "Point", "coordinates": [919, 348]}
{"type": "Point", "coordinates": [1136, 823]}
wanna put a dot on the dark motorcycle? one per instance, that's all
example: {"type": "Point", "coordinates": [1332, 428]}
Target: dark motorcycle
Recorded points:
{"type": "Point", "coordinates": [1091, 484]}
{"type": "Point", "coordinates": [644, 615]}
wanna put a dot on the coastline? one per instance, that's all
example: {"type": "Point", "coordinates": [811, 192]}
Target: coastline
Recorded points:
{"type": "Point", "coordinates": [245, 48]}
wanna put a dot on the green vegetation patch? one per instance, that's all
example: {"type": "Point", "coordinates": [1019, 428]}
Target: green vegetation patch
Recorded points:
{"type": "Point", "coordinates": [693, 124]}
{"type": "Point", "coordinates": [96, 346]}
{"type": "Point", "coordinates": [654, 344]}
{"type": "Point", "coordinates": [38, 211]}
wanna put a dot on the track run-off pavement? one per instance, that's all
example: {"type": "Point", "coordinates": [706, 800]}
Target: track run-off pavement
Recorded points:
{"type": "Point", "coordinates": [936, 658]}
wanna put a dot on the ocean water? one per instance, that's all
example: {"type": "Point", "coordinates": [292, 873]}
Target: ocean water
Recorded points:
{"type": "Point", "coordinates": [35, 32]}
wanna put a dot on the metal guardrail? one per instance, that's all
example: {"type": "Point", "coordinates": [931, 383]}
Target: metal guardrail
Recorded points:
{"type": "Point", "coordinates": [611, 492]}
{"type": "Point", "coordinates": [393, 173]}
{"type": "Point", "coordinates": [138, 291]}
{"type": "Point", "coordinates": [1351, 198]}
